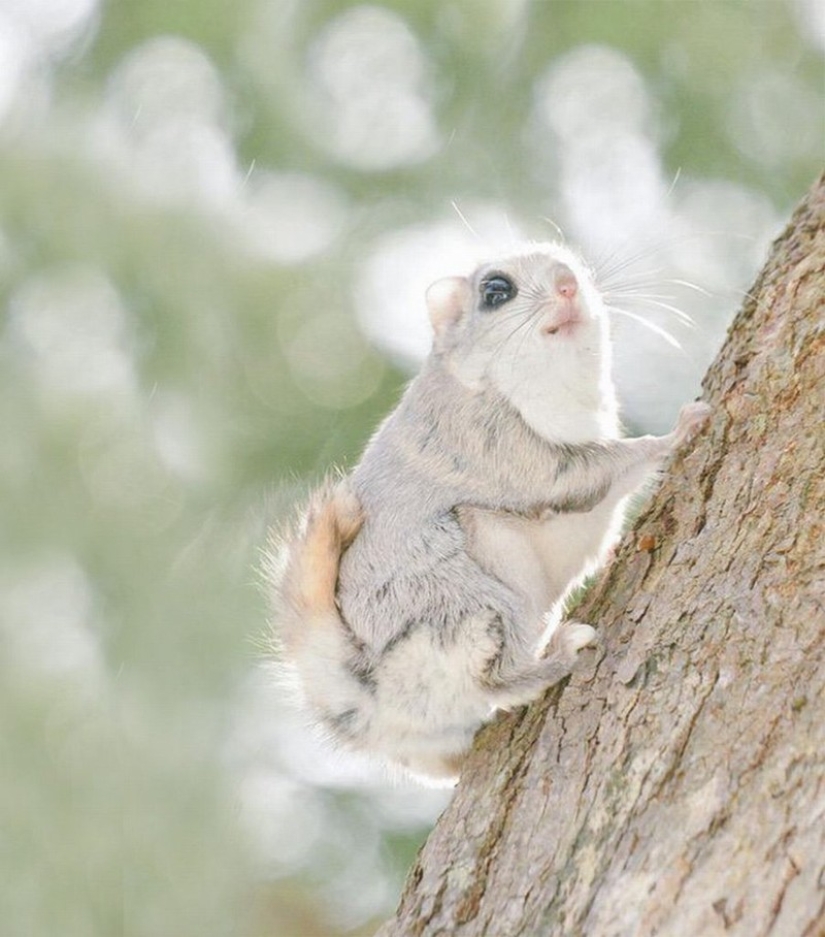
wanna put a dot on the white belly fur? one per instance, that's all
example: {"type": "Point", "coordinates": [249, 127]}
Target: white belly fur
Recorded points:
{"type": "Point", "coordinates": [543, 559]}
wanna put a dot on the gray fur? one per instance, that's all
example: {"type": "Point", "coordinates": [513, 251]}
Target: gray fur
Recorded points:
{"type": "Point", "coordinates": [447, 446]}
{"type": "Point", "coordinates": [495, 485]}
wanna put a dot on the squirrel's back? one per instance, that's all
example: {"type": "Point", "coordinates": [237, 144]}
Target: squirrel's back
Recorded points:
{"type": "Point", "coordinates": [410, 567]}
{"type": "Point", "coordinates": [332, 667]}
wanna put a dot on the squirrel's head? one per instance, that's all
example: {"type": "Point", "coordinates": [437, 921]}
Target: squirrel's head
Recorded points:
{"type": "Point", "coordinates": [534, 315]}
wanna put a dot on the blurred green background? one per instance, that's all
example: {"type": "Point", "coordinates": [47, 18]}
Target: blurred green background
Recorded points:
{"type": "Point", "coordinates": [217, 222]}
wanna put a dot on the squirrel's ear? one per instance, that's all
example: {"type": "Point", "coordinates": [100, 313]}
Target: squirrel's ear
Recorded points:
{"type": "Point", "coordinates": [446, 301]}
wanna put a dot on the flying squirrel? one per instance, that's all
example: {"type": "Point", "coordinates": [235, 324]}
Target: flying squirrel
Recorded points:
{"type": "Point", "coordinates": [425, 591]}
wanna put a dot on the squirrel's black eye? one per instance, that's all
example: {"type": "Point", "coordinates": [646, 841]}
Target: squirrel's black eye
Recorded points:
{"type": "Point", "coordinates": [497, 290]}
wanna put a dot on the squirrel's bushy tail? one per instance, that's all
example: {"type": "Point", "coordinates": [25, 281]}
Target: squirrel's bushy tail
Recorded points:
{"type": "Point", "coordinates": [310, 575]}
{"type": "Point", "coordinates": [313, 641]}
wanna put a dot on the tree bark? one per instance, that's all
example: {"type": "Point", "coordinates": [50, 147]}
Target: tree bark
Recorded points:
{"type": "Point", "coordinates": [676, 784]}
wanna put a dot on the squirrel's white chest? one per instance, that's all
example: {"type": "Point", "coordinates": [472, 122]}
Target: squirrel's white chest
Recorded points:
{"type": "Point", "coordinates": [554, 398]}
{"type": "Point", "coordinates": [543, 559]}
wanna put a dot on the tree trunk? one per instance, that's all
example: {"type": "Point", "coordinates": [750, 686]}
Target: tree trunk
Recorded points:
{"type": "Point", "coordinates": [676, 784]}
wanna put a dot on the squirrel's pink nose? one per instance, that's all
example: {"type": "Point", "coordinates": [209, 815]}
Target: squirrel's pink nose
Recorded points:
{"type": "Point", "coordinates": [565, 282]}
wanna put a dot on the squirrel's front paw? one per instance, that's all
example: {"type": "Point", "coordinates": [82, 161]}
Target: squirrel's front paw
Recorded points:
{"type": "Point", "coordinates": [693, 417]}
{"type": "Point", "coordinates": [569, 638]}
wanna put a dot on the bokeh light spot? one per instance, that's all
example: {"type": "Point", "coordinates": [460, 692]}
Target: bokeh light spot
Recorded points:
{"type": "Point", "coordinates": [45, 618]}
{"type": "Point", "coordinates": [290, 217]}
{"type": "Point", "coordinates": [775, 119]}
{"type": "Point", "coordinates": [164, 125]}
{"type": "Point", "coordinates": [73, 325]}
{"type": "Point", "coordinates": [370, 73]}
{"type": "Point", "coordinates": [51, 24]}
